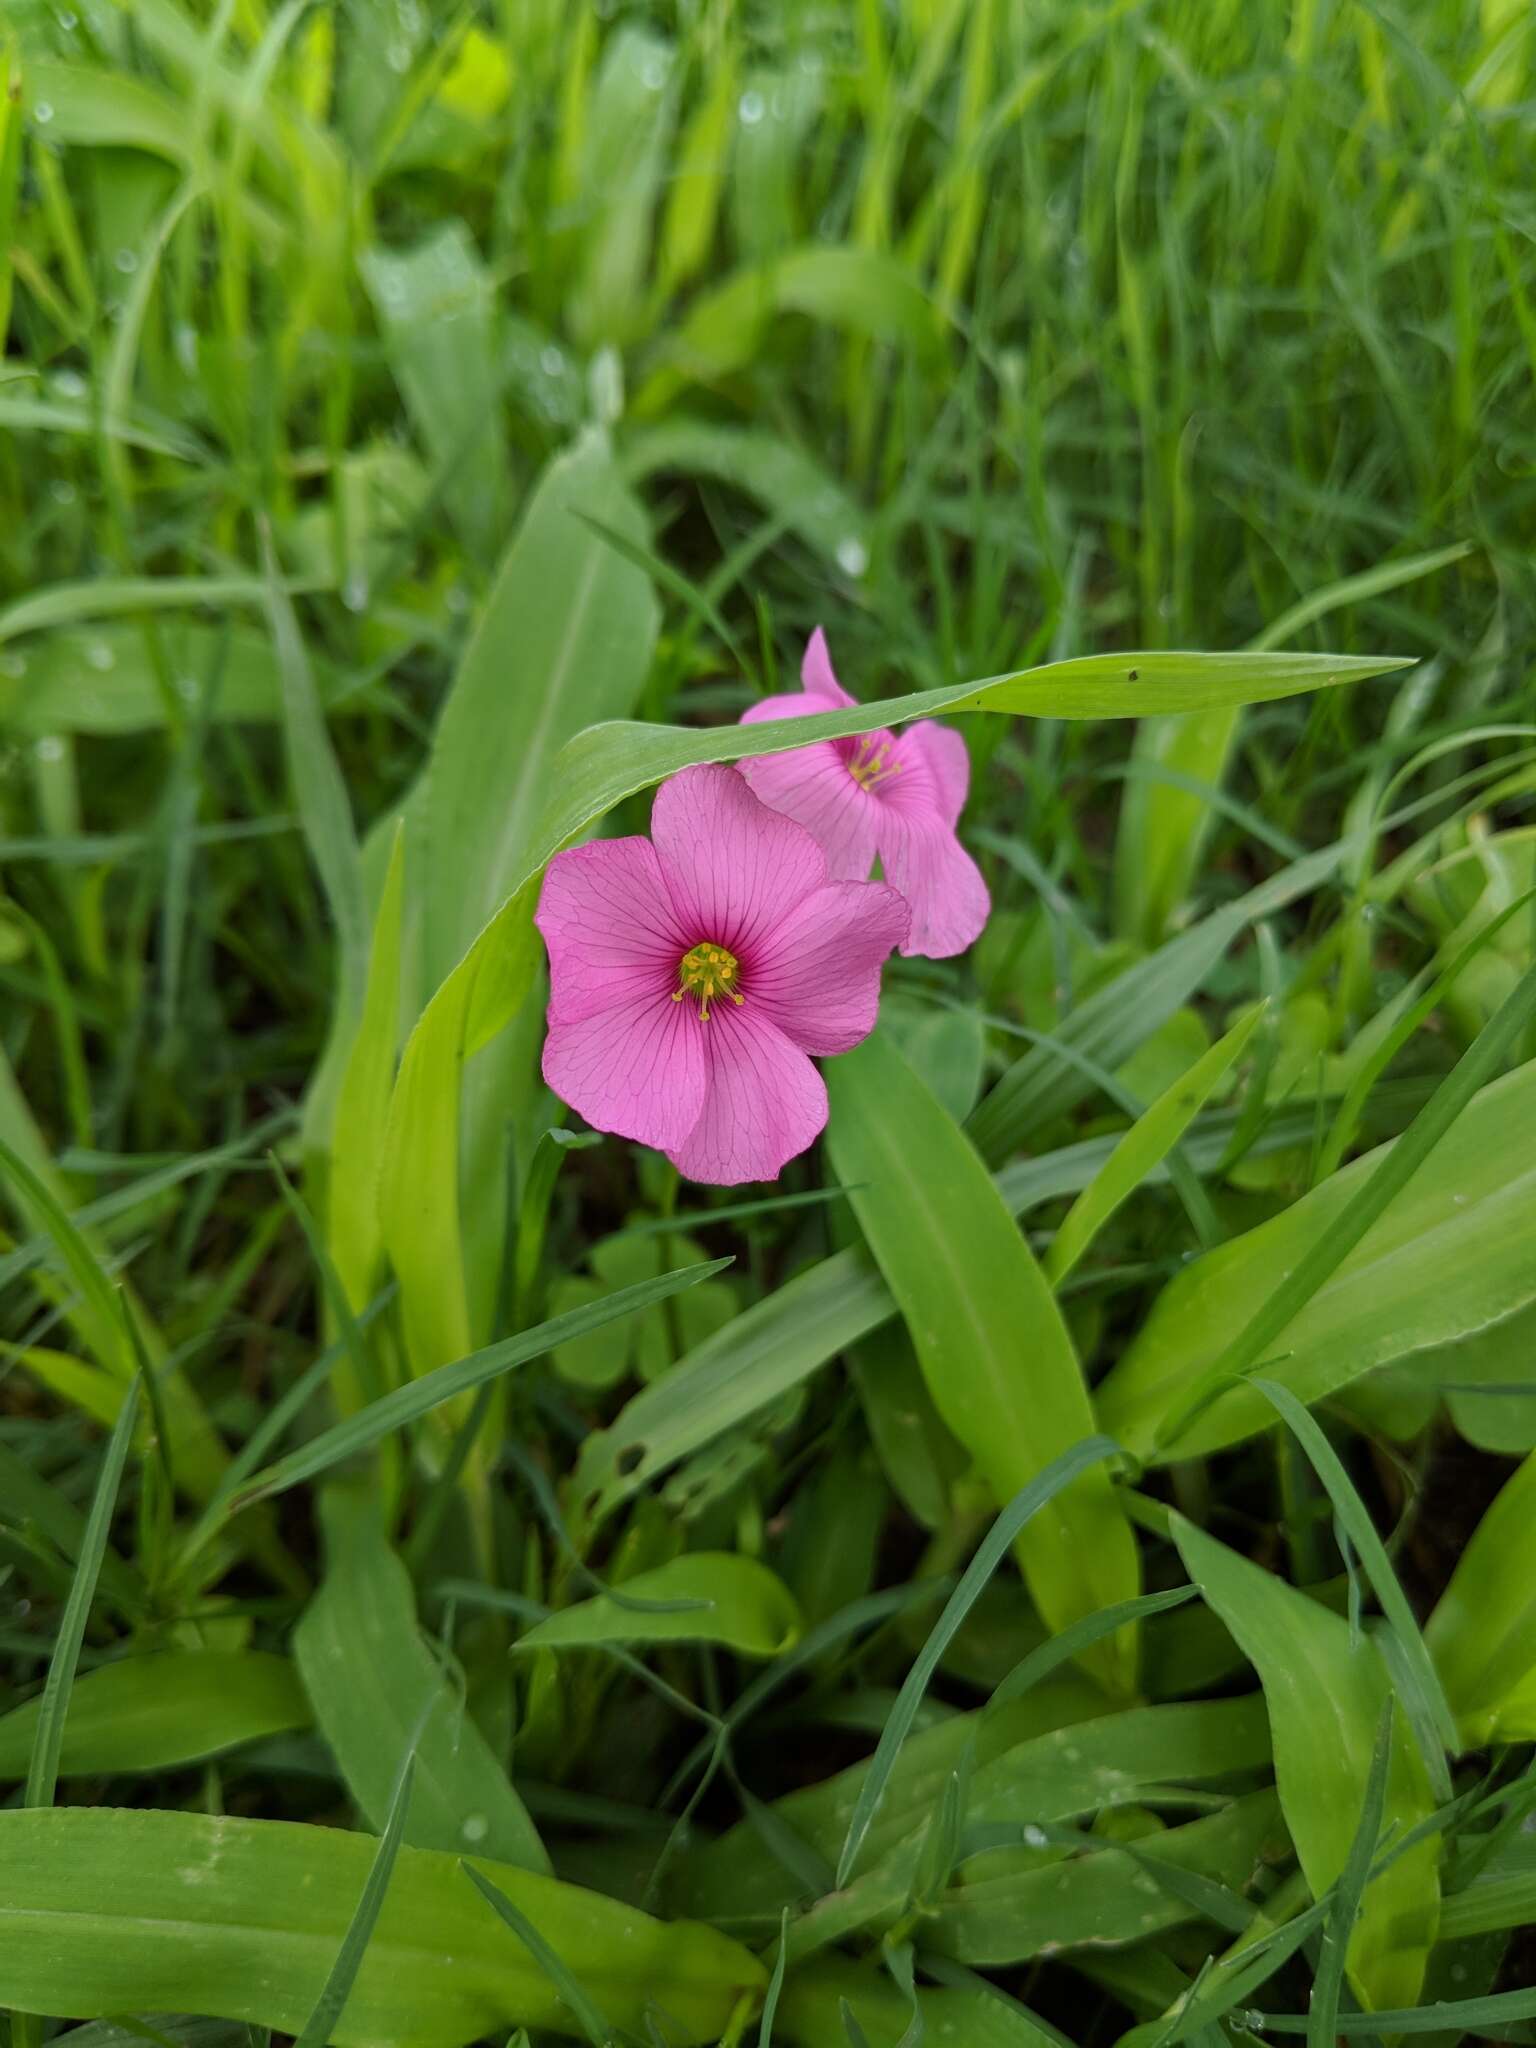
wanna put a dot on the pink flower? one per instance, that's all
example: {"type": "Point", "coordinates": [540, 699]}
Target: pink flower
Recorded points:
{"type": "Point", "coordinates": [692, 972]}
{"type": "Point", "coordinates": [895, 797]}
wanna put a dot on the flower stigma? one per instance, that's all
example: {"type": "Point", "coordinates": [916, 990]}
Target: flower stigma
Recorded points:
{"type": "Point", "coordinates": [870, 765]}
{"type": "Point", "coordinates": [707, 972]}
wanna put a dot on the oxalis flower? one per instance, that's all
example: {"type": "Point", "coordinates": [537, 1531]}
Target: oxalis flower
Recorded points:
{"type": "Point", "coordinates": [692, 973]}
{"type": "Point", "coordinates": [895, 797]}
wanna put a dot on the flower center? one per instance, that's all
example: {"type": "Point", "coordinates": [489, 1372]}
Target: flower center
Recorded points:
{"type": "Point", "coordinates": [706, 972]}
{"type": "Point", "coordinates": [871, 764]}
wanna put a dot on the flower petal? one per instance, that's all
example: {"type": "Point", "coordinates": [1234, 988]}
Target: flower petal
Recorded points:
{"type": "Point", "coordinates": [732, 865]}
{"type": "Point", "coordinates": [812, 785]}
{"type": "Point", "coordinates": [609, 925]}
{"type": "Point", "coordinates": [933, 759]}
{"type": "Point", "coordinates": [920, 856]}
{"type": "Point", "coordinates": [816, 671]}
{"type": "Point", "coordinates": [763, 1102]}
{"type": "Point", "coordinates": [637, 1068]}
{"type": "Point", "coordinates": [818, 976]}
{"type": "Point", "coordinates": [798, 704]}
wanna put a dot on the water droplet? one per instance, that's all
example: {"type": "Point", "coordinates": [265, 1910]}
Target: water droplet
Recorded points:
{"type": "Point", "coordinates": [42, 112]}
{"type": "Point", "coordinates": [100, 655]}
{"type": "Point", "coordinates": [476, 1827]}
{"type": "Point", "coordinates": [1036, 1838]}
{"type": "Point", "coordinates": [751, 109]}
{"type": "Point", "coordinates": [354, 594]}
{"type": "Point", "coordinates": [62, 491]}
{"type": "Point", "coordinates": [653, 71]}
{"type": "Point", "coordinates": [69, 384]}
{"type": "Point", "coordinates": [398, 56]}
{"type": "Point", "coordinates": [49, 748]}
{"type": "Point", "coordinates": [551, 361]}
{"type": "Point", "coordinates": [67, 21]}
{"type": "Point", "coordinates": [187, 687]}
{"type": "Point", "coordinates": [852, 556]}
{"type": "Point", "coordinates": [186, 346]}
{"type": "Point", "coordinates": [458, 599]}
{"type": "Point", "coordinates": [13, 665]}
{"type": "Point", "coordinates": [126, 262]}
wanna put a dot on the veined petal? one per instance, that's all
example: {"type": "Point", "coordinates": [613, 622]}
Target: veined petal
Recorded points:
{"type": "Point", "coordinates": [817, 673]}
{"type": "Point", "coordinates": [920, 856]}
{"type": "Point", "coordinates": [609, 925]}
{"type": "Point", "coordinates": [763, 1102]}
{"type": "Point", "coordinates": [935, 768]}
{"type": "Point", "coordinates": [732, 865]}
{"type": "Point", "coordinates": [636, 1068]}
{"type": "Point", "coordinates": [817, 977]}
{"type": "Point", "coordinates": [813, 786]}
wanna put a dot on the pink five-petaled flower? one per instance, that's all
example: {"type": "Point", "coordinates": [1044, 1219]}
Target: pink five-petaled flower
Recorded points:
{"type": "Point", "coordinates": [692, 972]}
{"type": "Point", "coordinates": [880, 794]}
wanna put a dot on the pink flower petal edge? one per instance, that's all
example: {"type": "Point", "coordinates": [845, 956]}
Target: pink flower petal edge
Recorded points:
{"type": "Point", "coordinates": [895, 798]}
{"type": "Point", "coordinates": [693, 974]}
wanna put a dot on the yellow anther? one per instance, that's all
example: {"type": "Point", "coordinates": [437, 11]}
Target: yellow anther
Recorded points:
{"type": "Point", "coordinates": [870, 764]}
{"type": "Point", "coordinates": [707, 971]}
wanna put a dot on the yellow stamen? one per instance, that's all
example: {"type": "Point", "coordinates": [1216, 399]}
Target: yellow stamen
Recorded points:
{"type": "Point", "coordinates": [707, 971]}
{"type": "Point", "coordinates": [870, 765]}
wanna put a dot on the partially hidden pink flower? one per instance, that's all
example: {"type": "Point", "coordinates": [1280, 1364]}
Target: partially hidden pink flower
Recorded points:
{"type": "Point", "coordinates": [895, 796]}
{"type": "Point", "coordinates": [692, 973]}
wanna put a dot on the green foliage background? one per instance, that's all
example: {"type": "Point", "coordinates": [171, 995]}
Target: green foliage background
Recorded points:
{"type": "Point", "coordinates": [734, 1588]}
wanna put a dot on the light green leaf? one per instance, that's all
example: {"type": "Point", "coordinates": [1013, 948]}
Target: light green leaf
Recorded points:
{"type": "Point", "coordinates": [1448, 1257]}
{"type": "Point", "coordinates": [1482, 1634]}
{"type": "Point", "coordinates": [989, 1336]}
{"type": "Point", "coordinates": [164, 1710]}
{"type": "Point", "coordinates": [437, 307]}
{"type": "Point", "coordinates": [1325, 1697]}
{"type": "Point", "coordinates": [1145, 1145]}
{"type": "Point", "coordinates": [723, 1598]}
{"type": "Point", "coordinates": [110, 1912]}
{"type": "Point", "coordinates": [784, 479]}
{"type": "Point", "coordinates": [378, 1693]}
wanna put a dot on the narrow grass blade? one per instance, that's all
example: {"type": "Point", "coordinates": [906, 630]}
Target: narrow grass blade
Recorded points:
{"type": "Point", "coordinates": [1372, 1553]}
{"type": "Point", "coordinates": [583, 2010]}
{"type": "Point", "coordinates": [332, 2001]}
{"type": "Point", "coordinates": [409, 1403]}
{"type": "Point", "coordinates": [1072, 1641]}
{"type": "Point", "coordinates": [48, 1740]}
{"type": "Point", "coordinates": [1058, 1474]}
{"type": "Point", "coordinates": [1348, 1894]}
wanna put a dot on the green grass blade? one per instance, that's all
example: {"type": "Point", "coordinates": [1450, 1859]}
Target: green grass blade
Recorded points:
{"type": "Point", "coordinates": [583, 2008]}
{"type": "Point", "coordinates": [329, 2006]}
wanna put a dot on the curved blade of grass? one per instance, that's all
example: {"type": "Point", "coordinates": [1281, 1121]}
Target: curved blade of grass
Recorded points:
{"type": "Point", "coordinates": [337, 1989]}
{"type": "Point", "coordinates": [583, 2009]}
{"type": "Point", "coordinates": [1043, 1488]}
{"type": "Point", "coordinates": [1348, 1894]}
{"type": "Point", "coordinates": [1372, 1552]}
{"type": "Point", "coordinates": [1452, 2016]}
{"type": "Point", "coordinates": [48, 1738]}
{"type": "Point", "coordinates": [1479, 1064]}
{"type": "Point", "coordinates": [409, 1403]}
{"type": "Point", "coordinates": [1145, 1145]}
{"type": "Point", "coordinates": [1071, 1642]}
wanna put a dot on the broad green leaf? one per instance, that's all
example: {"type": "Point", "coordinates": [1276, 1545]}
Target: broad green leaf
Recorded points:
{"type": "Point", "coordinates": [1145, 1145]}
{"type": "Point", "coordinates": [989, 1336]}
{"type": "Point", "coordinates": [815, 1994]}
{"type": "Point", "coordinates": [629, 121]}
{"type": "Point", "coordinates": [111, 1912]}
{"type": "Point", "coordinates": [110, 110]}
{"type": "Point", "coordinates": [379, 1693]}
{"type": "Point", "coordinates": [1103, 1896]}
{"type": "Point", "coordinates": [564, 642]}
{"type": "Point", "coordinates": [1325, 1696]}
{"type": "Point", "coordinates": [1489, 1383]}
{"type": "Point", "coordinates": [162, 1711]}
{"type": "Point", "coordinates": [1482, 1634]}
{"type": "Point", "coordinates": [1450, 1256]}
{"type": "Point", "coordinates": [437, 306]}
{"type": "Point", "coordinates": [65, 604]}
{"type": "Point", "coordinates": [721, 1598]}
{"type": "Point", "coordinates": [99, 679]}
